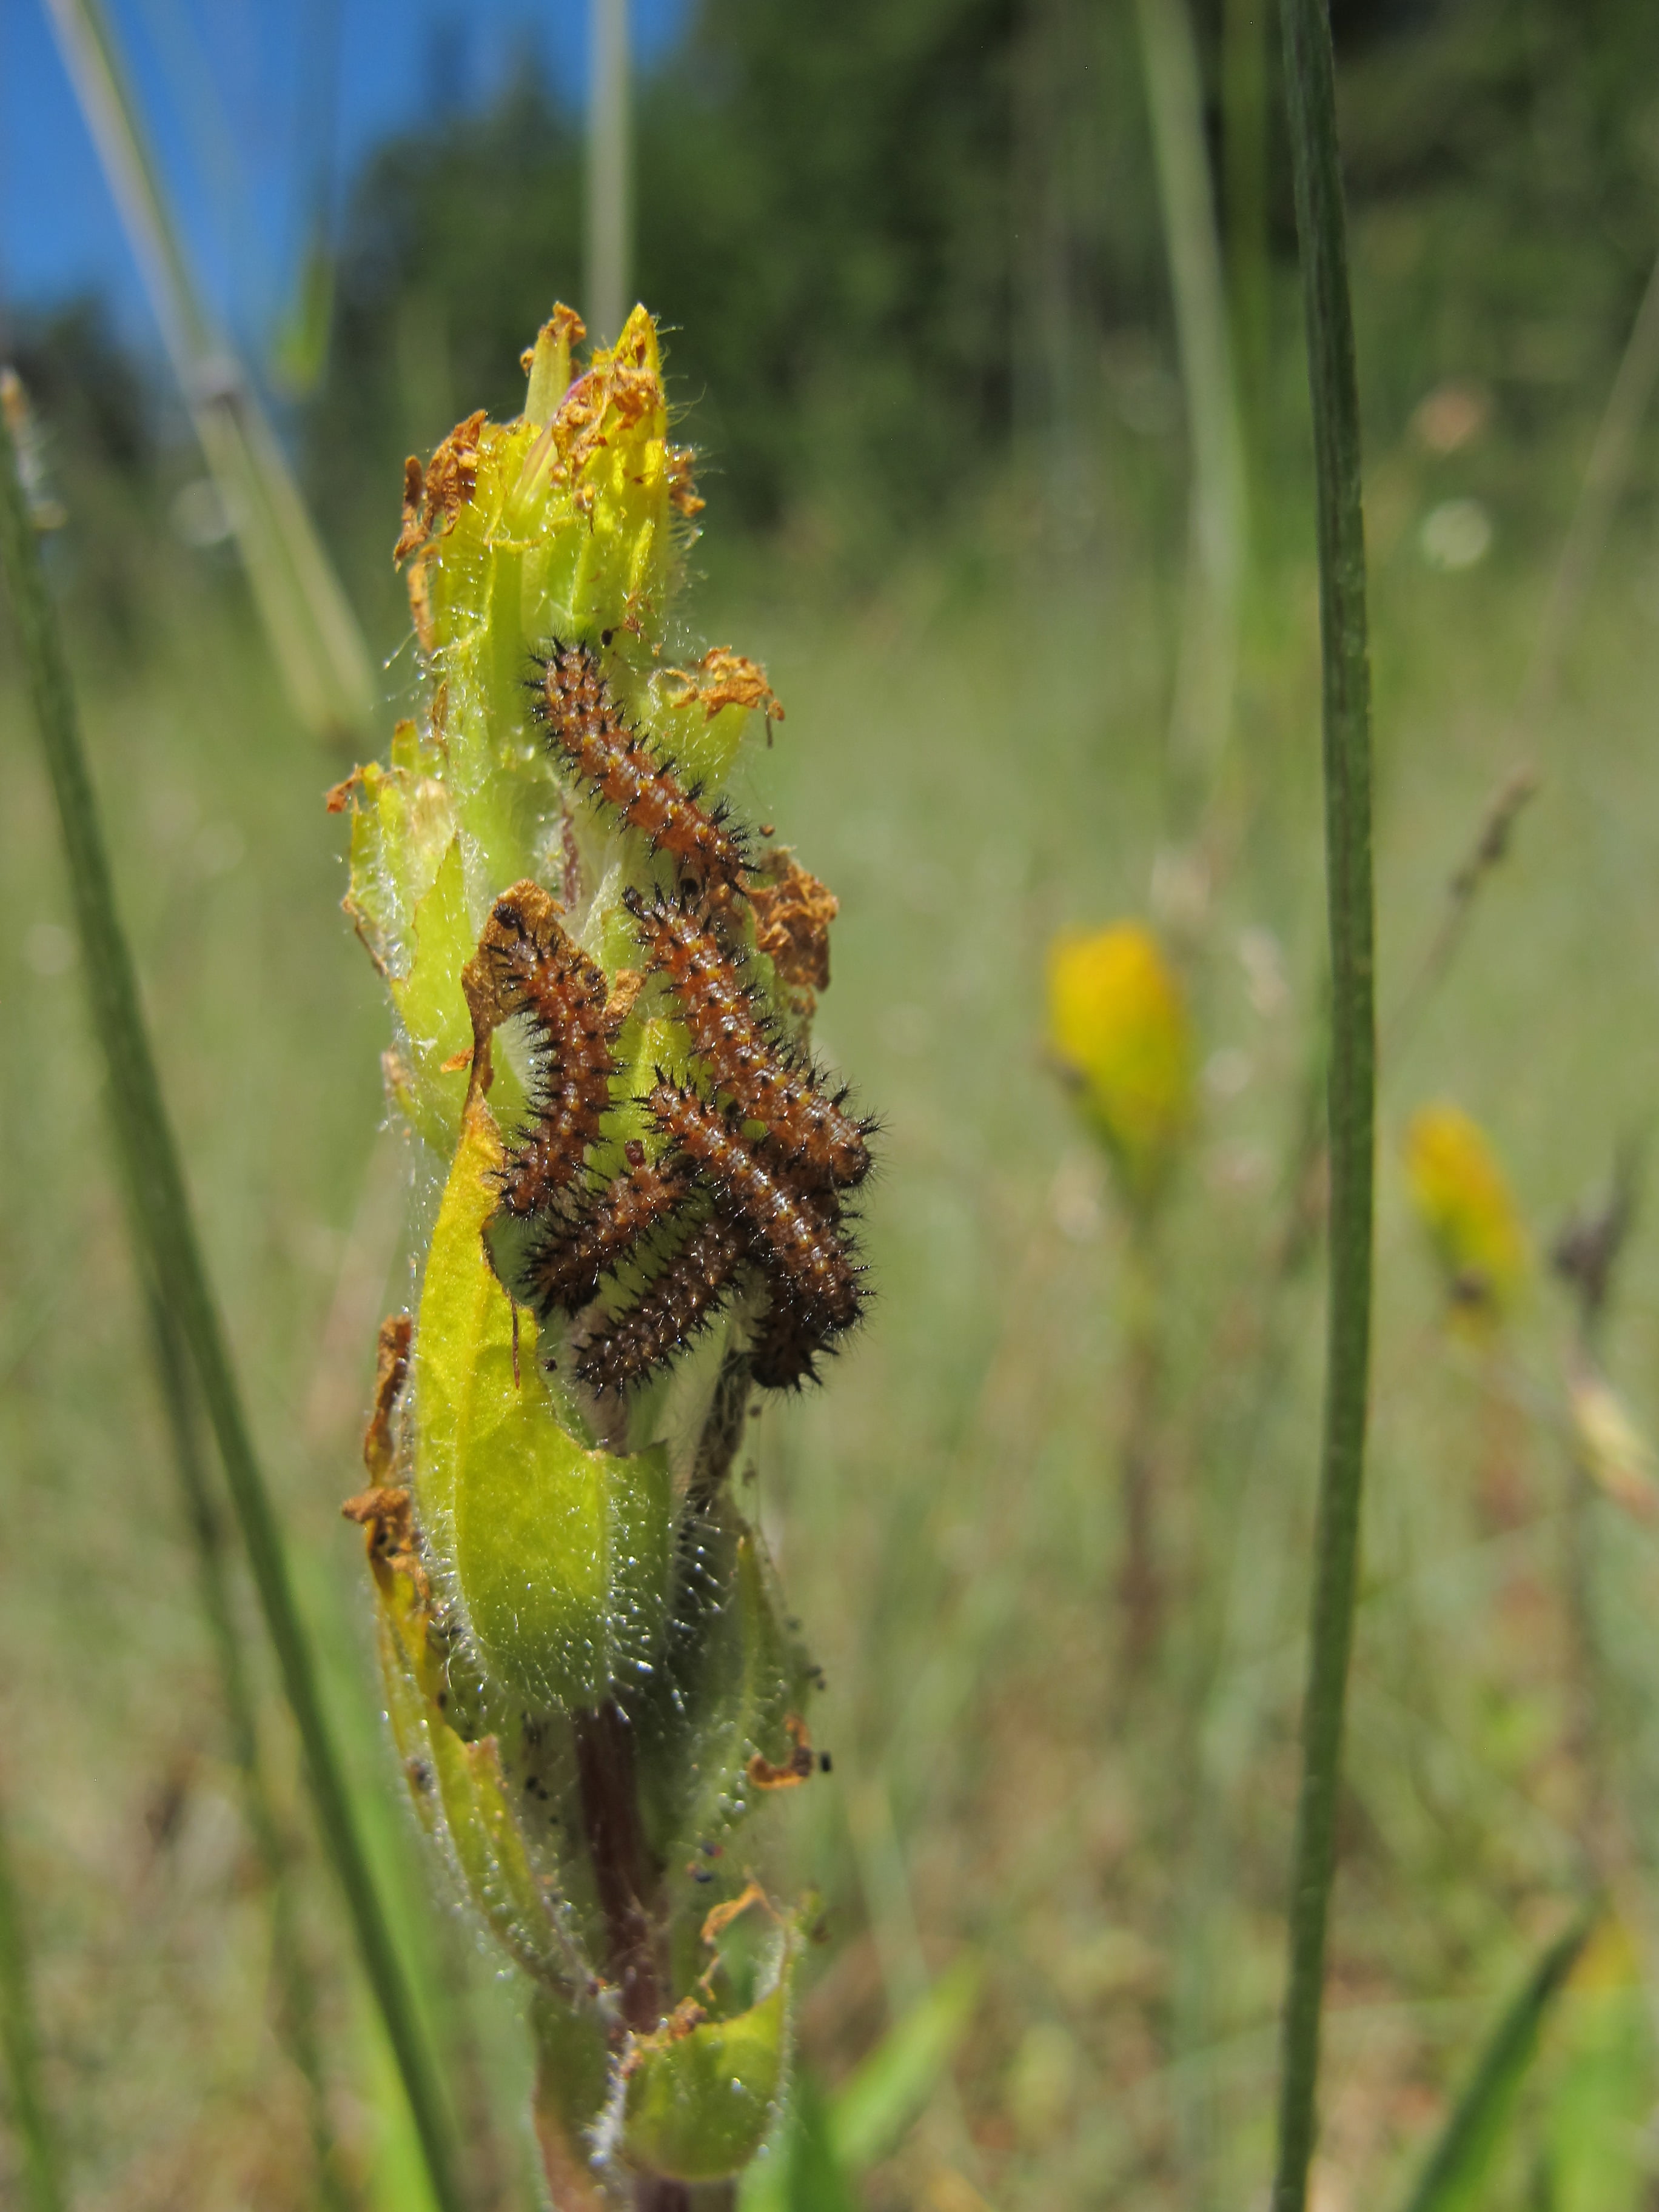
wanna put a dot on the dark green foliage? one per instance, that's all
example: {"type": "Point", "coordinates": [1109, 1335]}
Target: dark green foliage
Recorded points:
{"type": "Point", "coordinates": [825, 228]}
{"type": "Point", "coordinates": [81, 382]}
{"type": "Point", "coordinates": [457, 242]}
{"type": "Point", "coordinates": [887, 241]}
{"type": "Point", "coordinates": [830, 229]}
{"type": "Point", "coordinates": [1502, 163]}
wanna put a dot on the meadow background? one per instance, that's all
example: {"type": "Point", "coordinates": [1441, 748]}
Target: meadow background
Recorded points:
{"type": "Point", "coordinates": [913, 271]}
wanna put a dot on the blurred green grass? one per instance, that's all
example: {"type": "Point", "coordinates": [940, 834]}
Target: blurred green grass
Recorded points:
{"type": "Point", "coordinates": [972, 757]}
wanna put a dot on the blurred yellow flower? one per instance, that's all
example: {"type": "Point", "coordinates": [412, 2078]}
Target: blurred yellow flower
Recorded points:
{"type": "Point", "coordinates": [1118, 1025]}
{"type": "Point", "coordinates": [1464, 1201]}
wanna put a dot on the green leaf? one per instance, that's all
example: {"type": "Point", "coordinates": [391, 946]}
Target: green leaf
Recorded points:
{"type": "Point", "coordinates": [885, 2094]}
{"type": "Point", "coordinates": [803, 2171]}
{"type": "Point", "coordinates": [560, 1555]}
{"type": "Point", "coordinates": [1603, 2089]}
{"type": "Point", "coordinates": [699, 2104]}
{"type": "Point", "coordinates": [462, 1780]}
{"type": "Point", "coordinates": [491, 1853]}
{"type": "Point", "coordinates": [1461, 2159]}
{"type": "Point", "coordinates": [825, 2144]}
{"type": "Point", "coordinates": [734, 1677]}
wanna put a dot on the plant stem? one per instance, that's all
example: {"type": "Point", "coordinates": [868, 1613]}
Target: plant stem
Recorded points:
{"type": "Point", "coordinates": [174, 1256]}
{"type": "Point", "coordinates": [722, 1434]}
{"type": "Point", "coordinates": [626, 1882]}
{"type": "Point", "coordinates": [621, 1860]}
{"type": "Point", "coordinates": [21, 2039]}
{"type": "Point", "coordinates": [1141, 1580]}
{"type": "Point", "coordinates": [1310, 95]}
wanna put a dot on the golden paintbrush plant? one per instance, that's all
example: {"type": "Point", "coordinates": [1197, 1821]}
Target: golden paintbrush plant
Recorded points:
{"type": "Point", "coordinates": [631, 1182]}
{"type": "Point", "coordinates": [1118, 1028]}
{"type": "Point", "coordinates": [1462, 1198]}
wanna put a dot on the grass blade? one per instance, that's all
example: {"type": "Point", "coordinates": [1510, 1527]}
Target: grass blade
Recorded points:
{"type": "Point", "coordinates": [313, 634]}
{"type": "Point", "coordinates": [172, 1255]}
{"type": "Point", "coordinates": [1246, 30]}
{"type": "Point", "coordinates": [21, 2039]}
{"type": "Point", "coordinates": [1320, 229]}
{"type": "Point", "coordinates": [610, 159]}
{"type": "Point", "coordinates": [1202, 709]}
{"type": "Point", "coordinates": [297, 1990]}
{"type": "Point", "coordinates": [1607, 474]}
{"type": "Point", "coordinates": [1457, 2165]}
{"type": "Point", "coordinates": [873, 2110]}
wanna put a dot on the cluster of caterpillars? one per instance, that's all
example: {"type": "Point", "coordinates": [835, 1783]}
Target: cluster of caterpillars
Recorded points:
{"type": "Point", "coordinates": [757, 1151]}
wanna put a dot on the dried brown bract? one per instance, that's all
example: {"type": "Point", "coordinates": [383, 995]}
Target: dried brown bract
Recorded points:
{"type": "Point", "coordinates": [793, 913]}
{"type": "Point", "coordinates": [725, 678]}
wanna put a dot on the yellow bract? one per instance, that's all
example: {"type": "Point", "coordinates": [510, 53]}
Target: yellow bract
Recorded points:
{"type": "Point", "coordinates": [560, 1555]}
{"type": "Point", "coordinates": [1463, 1199]}
{"type": "Point", "coordinates": [1118, 1024]}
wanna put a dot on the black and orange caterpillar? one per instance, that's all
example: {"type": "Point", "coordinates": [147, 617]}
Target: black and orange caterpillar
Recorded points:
{"type": "Point", "coordinates": [757, 1149]}
{"type": "Point", "coordinates": [738, 1042]}
{"type": "Point", "coordinates": [573, 702]}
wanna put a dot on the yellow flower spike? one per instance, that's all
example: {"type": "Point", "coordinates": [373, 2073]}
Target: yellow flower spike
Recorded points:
{"type": "Point", "coordinates": [1463, 1199]}
{"type": "Point", "coordinates": [1118, 1026]}
{"type": "Point", "coordinates": [588, 1674]}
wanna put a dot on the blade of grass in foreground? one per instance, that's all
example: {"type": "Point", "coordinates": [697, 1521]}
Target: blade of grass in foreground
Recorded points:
{"type": "Point", "coordinates": [1456, 2173]}
{"type": "Point", "coordinates": [1311, 102]}
{"type": "Point", "coordinates": [1201, 714]}
{"type": "Point", "coordinates": [610, 162]}
{"type": "Point", "coordinates": [18, 2032]}
{"type": "Point", "coordinates": [314, 636]}
{"type": "Point", "coordinates": [173, 1255]}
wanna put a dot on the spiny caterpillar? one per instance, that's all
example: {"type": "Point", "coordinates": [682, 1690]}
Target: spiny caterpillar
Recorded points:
{"type": "Point", "coordinates": [784, 1228]}
{"type": "Point", "coordinates": [525, 963]}
{"type": "Point", "coordinates": [776, 1211]}
{"type": "Point", "coordinates": [738, 1044]}
{"type": "Point", "coordinates": [574, 700]}
{"type": "Point", "coordinates": [677, 1306]}
{"type": "Point", "coordinates": [575, 1250]}
{"type": "Point", "coordinates": [787, 1346]}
